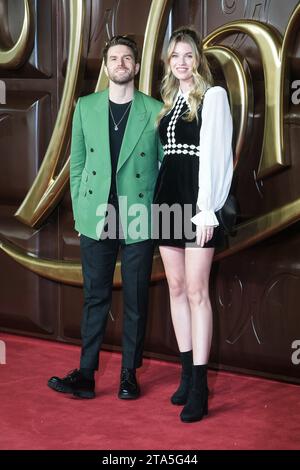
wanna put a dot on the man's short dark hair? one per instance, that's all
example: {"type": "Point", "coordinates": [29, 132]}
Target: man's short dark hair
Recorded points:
{"type": "Point", "coordinates": [121, 41]}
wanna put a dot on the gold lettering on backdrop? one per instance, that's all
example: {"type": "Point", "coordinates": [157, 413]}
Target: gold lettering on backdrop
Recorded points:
{"type": "Point", "coordinates": [49, 184]}
{"type": "Point", "coordinates": [67, 272]}
{"type": "Point", "coordinates": [239, 85]}
{"type": "Point", "coordinates": [274, 54]}
{"type": "Point", "coordinates": [47, 189]}
{"type": "Point", "coordinates": [269, 44]}
{"type": "Point", "coordinates": [13, 57]}
{"type": "Point", "coordinates": [279, 218]}
{"type": "Point", "coordinates": [157, 13]}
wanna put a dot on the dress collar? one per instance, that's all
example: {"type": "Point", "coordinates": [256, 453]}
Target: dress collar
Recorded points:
{"type": "Point", "coordinates": [185, 95]}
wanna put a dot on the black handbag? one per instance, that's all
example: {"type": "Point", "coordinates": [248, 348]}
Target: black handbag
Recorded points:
{"type": "Point", "coordinates": [227, 215]}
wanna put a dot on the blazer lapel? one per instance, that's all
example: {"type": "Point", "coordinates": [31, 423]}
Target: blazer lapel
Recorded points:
{"type": "Point", "coordinates": [137, 121]}
{"type": "Point", "coordinates": [100, 125]}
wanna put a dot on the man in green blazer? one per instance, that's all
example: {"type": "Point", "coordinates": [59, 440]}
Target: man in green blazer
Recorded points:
{"type": "Point", "coordinates": [115, 155]}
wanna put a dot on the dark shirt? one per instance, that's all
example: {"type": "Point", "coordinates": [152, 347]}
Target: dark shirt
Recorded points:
{"type": "Point", "coordinates": [116, 139]}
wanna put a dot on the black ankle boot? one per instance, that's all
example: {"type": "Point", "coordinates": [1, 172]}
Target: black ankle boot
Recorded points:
{"type": "Point", "coordinates": [129, 387]}
{"type": "Point", "coordinates": [75, 383]}
{"type": "Point", "coordinates": [181, 394]}
{"type": "Point", "coordinates": [197, 403]}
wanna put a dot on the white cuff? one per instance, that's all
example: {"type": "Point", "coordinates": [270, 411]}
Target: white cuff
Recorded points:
{"type": "Point", "coordinates": [207, 218]}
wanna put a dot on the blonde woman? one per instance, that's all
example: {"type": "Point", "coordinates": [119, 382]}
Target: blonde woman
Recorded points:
{"type": "Point", "coordinates": [195, 127]}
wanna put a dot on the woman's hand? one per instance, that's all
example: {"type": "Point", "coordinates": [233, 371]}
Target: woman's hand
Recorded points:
{"type": "Point", "coordinates": [204, 234]}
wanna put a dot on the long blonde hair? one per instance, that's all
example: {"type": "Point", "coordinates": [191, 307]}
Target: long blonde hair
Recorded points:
{"type": "Point", "coordinates": [202, 76]}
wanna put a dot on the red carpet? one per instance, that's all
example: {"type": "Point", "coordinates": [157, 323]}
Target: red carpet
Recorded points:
{"type": "Point", "coordinates": [244, 412]}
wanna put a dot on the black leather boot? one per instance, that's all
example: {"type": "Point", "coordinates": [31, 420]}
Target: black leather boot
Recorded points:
{"type": "Point", "coordinates": [129, 387]}
{"type": "Point", "coordinates": [181, 394]}
{"type": "Point", "coordinates": [74, 383]}
{"type": "Point", "coordinates": [197, 403]}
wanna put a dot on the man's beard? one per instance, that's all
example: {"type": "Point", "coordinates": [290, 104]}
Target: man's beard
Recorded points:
{"type": "Point", "coordinates": [123, 79]}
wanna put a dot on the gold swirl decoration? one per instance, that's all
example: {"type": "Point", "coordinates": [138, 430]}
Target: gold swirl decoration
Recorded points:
{"type": "Point", "coordinates": [48, 188]}
{"type": "Point", "coordinates": [13, 57]}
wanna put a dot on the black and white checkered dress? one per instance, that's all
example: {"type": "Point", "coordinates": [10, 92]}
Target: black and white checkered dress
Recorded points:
{"type": "Point", "coordinates": [177, 182]}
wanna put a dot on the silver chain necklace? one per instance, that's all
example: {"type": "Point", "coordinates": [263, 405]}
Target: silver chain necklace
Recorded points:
{"type": "Point", "coordinates": [116, 124]}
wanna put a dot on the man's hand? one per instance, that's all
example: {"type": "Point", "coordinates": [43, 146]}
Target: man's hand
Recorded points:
{"type": "Point", "coordinates": [204, 234]}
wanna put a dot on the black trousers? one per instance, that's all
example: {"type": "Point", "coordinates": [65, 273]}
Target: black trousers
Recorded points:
{"type": "Point", "coordinates": [98, 264]}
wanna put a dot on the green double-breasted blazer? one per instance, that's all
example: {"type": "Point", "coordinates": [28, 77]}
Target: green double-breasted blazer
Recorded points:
{"type": "Point", "coordinates": [90, 165]}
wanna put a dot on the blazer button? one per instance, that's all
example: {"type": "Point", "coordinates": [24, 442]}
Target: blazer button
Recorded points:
{"type": "Point", "coordinates": [138, 175]}
{"type": "Point", "coordinates": [141, 195]}
{"type": "Point", "coordinates": [94, 172]}
{"type": "Point", "coordinates": [92, 149]}
{"type": "Point", "coordinates": [142, 154]}
{"type": "Point", "coordinates": [90, 191]}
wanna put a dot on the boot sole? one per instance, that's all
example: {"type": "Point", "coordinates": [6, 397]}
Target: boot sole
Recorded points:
{"type": "Point", "coordinates": [193, 420]}
{"type": "Point", "coordinates": [178, 403]}
{"type": "Point", "coordinates": [59, 389]}
{"type": "Point", "coordinates": [70, 391]}
{"type": "Point", "coordinates": [122, 397]}
{"type": "Point", "coordinates": [84, 395]}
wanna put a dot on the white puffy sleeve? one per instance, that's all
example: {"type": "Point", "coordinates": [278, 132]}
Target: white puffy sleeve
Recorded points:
{"type": "Point", "coordinates": [216, 161]}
